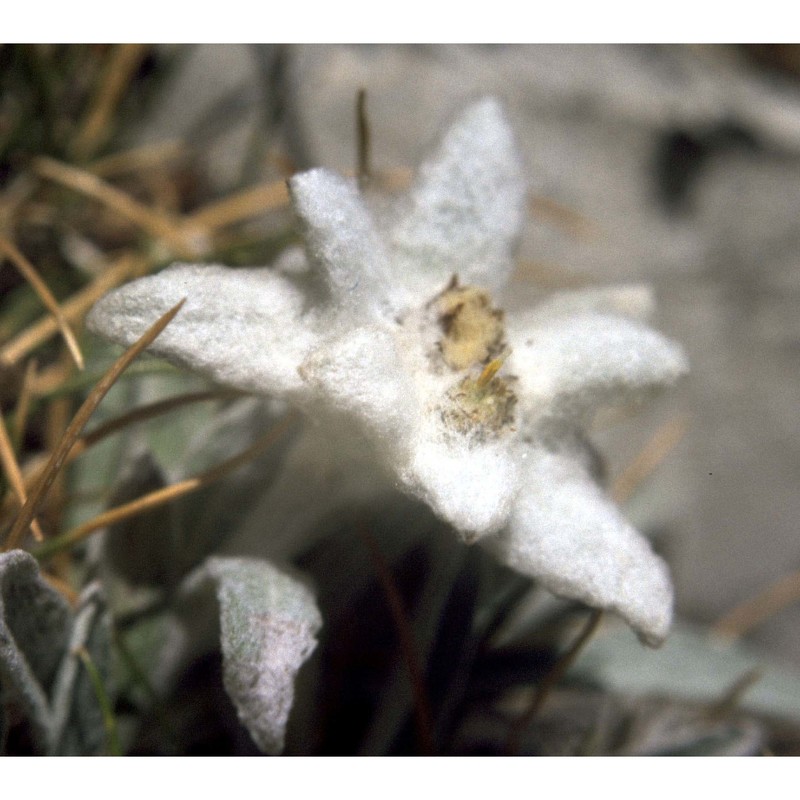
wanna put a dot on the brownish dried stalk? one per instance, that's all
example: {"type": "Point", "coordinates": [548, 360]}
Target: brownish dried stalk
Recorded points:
{"type": "Point", "coordinates": [28, 271]}
{"type": "Point", "coordinates": [548, 275]}
{"type": "Point", "coordinates": [76, 426]}
{"type": "Point", "coordinates": [562, 216]}
{"type": "Point", "coordinates": [161, 497]}
{"type": "Point", "coordinates": [8, 460]}
{"type": "Point", "coordinates": [364, 169]}
{"type": "Point", "coordinates": [149, 411]}
{"type": "Point", "coordinates": [649, 458]}
{"type": "Point", "coordinates": [408, 648]}
{"type": "Point", "coordinates": [138, 159]}
{"type": "Point", "coordinates": [550, 680]}
{"type": "Point", "coordinates": [733, 695]}
{"type": "Point", "coordinates": [95, 130]}
{"type": "Point", "coordinates": [56, 422]}
{"type": "Point", "coordinates": [238, 207]}
{"type": "Point", "coordinates": [127, 266]}
{"type": "Point", "coordinates": [155, 223]}
{"type": "Point", "coordinates": [757, 610]}
{"type": "Point", "coordinates": [63, 587]}
{"type": "Point", "coordinates": [24, 402]}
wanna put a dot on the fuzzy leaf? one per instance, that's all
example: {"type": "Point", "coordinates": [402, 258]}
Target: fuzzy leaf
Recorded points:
{"type": "Point", "coordinates": [39, 665]}
{"type": "Point", "coordinates": [35, 623]}
{"type": "Point", "coordinates": [268, 624]}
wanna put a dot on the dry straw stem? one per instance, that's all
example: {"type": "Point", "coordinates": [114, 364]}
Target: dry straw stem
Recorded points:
{"type": "Point", "coordinates": [163, 496]}
{"type": "Point", "coordinates": [96, 128]}
{"type": "Point", "coordinates": [63, 587]}
{"type": "Point", "coordinates": [149, 411]}
{"type": "Point", "coordinates": [650, 457]}
{"type": "Point", "coordinates": [180, 234]}
{"type": "Point", "coordinates": [138, 159]}
{"type": "Point", "coordinates": [405, 635]}
{"type": "Point", "coordinates": [549, 275]}
{"type": "Point", "coordinates": [56, 422]}
{"type": "Point", "coordinates": [753, 612]}
{"type": "Point", "coordinates": [244, 205]}
{"type": "Point", "coordinates": [155, 223]}
{"type": "Point", "coordinates": [140, 414]}
{"type": "Point", "coordinates": [28, 271]}
{"type": "Point", "coordinates": [732, 697]}
{"type": "Point", "coordinates": [518, 729]}
{"type": "Point", "coordinates": [572, 222]}
{"type": "Point", "coordinates": [14, 474]}
{"type": "Point", "coordinates": [76, 426]}
{"type": "Point", "coordinates": [363, 146]}
{"type": "Point", "coordinates": [127, 266]}
{"type": "Point", "coordinates": [24, 402]}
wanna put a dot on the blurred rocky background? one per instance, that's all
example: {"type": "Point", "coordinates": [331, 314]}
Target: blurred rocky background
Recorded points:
{"type": "Point", "coordinates": [678, 166]}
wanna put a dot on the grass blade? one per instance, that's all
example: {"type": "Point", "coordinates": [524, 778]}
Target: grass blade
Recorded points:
{"type": "Point", "coordinates": [76, 426]}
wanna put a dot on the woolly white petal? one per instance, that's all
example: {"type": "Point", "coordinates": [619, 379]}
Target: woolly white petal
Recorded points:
{"type": "Point", "coordinates": [573, 365]}
{"type": "Point", "coordinates": [360, 374]}
{"type": "Point", "coordinates": [466, 209]}
{"type": "Point", "coordinates": [341, 240]}
{"type": "Point", "coordinates": [472, 487]}
{"type": "Point", "coordinates": [234, 326]}
{"type": "Point", "coordinates": [566, 533]}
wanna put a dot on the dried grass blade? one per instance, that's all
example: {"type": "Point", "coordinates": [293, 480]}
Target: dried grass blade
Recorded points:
{"type": "Point", "coordinates": [408, 648]}
{"type": "Point", "coordinates": [28, 271]}
{"type": "Point", "coordinates": [564, 217]}
{"type": "Point", "coordinates": [768, 602]}
{"type": "Point", "coordinates": [143, 413]}
{"type": "Point", "coordinates": [14, 475]}
{"type": "Point", "coordinates": [156, 224]}
{"type": "Point", "coordinates": [74, 308]}
{"type": "Point", "coordinates": [148, 412]}
{"type": "Point", "coordinates": [163, 496]}
{"type": "Point", "coordinates": [24, 402]}
{"type": "Point", "coordinates": [518, 729]}
{"type": "Point", "coordinates": [76, 426]}
{"type": "Point", "coordinates": [56, 422]}
{"type": "Point", "coordinates": [138, 159]}
{"type": "Point", "coordinates": [657, 448]}
{"type": "Point", "coordinates": [242, 206]}
{"type": "Point", "coordinates": [124, 60]}
{"type": "Point", "coordinates": [363, 149]}
{"type": "Point", "coordinates": [63, 588]}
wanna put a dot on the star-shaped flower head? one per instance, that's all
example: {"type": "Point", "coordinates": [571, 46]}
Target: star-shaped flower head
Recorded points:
{"type": "Point", "coordinates": [388, 331]}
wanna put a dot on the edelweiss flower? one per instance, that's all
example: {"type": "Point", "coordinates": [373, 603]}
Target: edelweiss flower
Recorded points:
{"type": "Point", "coordinates": [389, 334]}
